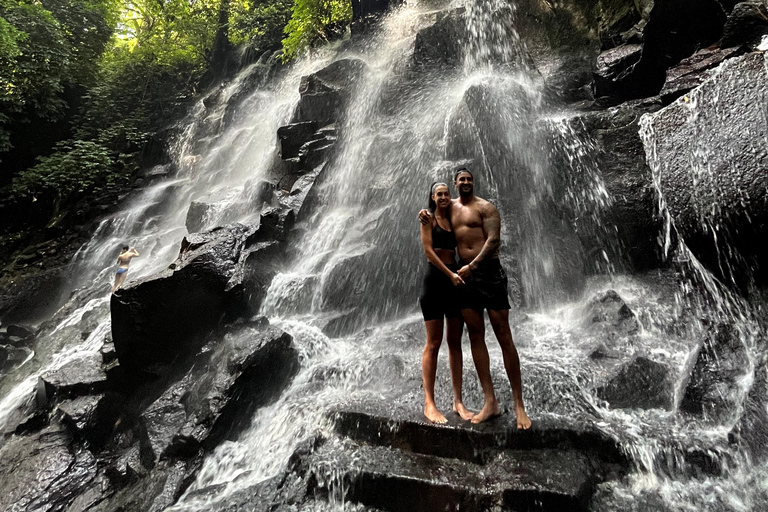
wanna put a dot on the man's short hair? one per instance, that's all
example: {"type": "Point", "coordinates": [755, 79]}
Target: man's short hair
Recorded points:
{"type": "Point", "coordinates": [461, 170]}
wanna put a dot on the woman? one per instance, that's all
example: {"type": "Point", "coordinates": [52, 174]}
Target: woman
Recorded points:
{"type": "Point", "coordinates": [438, 301]}
{"type": "Point", "coordinates": [123, 260]}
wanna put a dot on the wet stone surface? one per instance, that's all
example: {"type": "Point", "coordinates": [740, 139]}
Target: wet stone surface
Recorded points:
{"type": "Point", "coordinates": [394, 461]}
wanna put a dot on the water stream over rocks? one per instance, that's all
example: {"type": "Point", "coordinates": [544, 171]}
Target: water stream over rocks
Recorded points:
{"type": "Point", "coordinates": [296, 193]}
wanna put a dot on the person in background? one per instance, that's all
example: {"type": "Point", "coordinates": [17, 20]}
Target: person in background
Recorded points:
{"type": "Point", "coordinates": [123, 261]}
{"type": "Point", "coordinates": [439, 303]}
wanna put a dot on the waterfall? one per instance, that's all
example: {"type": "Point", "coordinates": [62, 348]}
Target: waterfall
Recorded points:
{"type": "Point", "coordinates": [347, 290]}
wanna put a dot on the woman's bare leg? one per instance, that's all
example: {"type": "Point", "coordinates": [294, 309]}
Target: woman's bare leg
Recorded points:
{"type": "Point", "coordinates": [455, 326]}
{"type": "Point", "coordinates": [429, 369]}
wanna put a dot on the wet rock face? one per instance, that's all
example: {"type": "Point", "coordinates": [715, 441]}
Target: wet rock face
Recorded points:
{"type": "Point", "coordinates": [712, 389]}
{"type": "Point", "coordinates": [751, 431]}
{"type": "Point", "coordinates": [29, 298]}
{"type": "Point", "coordinates": [442, 44]}
{"type": "Point", "coordinates": [621, 159]}
{"type": "Point", "coordinates": [326, 93]}
{"type": "Point", "coordinates": [157, 319]}
{"type": "Point", "coordinates": [609, 313]}
{"type": "Point", "coordinates": [401, 464]}
{"type": "Point", "coordinates": [746, 25]}
{"type": "Point", "coordinates": [675, 29]}
{"type": "Point", "coordinates": [642, 384]}
{"type": "Point", "coordinates": [708, 151]}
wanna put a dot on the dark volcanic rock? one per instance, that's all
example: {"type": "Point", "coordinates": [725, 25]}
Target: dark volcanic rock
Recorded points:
{"type": "Point", "coordinates": [217, 397]}
{"type": "Point", "coordinates": [709, 154]}
{"type": "Point", "coordinates": [32, 296]}
{"type": "Point", "coordinates": [80, 377]}
{"type": "Point", "coordinates": [326, 93]}
{"type": "Point", "coordinates": [694, 71]}
{"type": "Point", "coordinates": [609, 312]}
{"type": "Point", "coordinates": [162, 318]}
{"type": "Point", "coordinates": [293, 136]}
{"type": "Point", "coordinates": [610, 66]}
{"type": "Point", "coordinates": [43, 471]}
{"type": "Point", "coordinates": [641, 384]}
{"type": "Point", "coordinates": [675, 29]}
{"type": "Point", "coordinates": [746, 25]}
{"type": "Point", "coordinates": [400, 464]}
{"type": "Point", "coordinates": [443, 42]}
{"type": "Point", "coordinates": [620, 157]}
{"type": "Point", "coordinates": [713, 386]}
{"type": "Point", "coordinates": [751, 431]}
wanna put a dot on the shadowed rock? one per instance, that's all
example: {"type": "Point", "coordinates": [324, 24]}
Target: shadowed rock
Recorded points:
{"type": "Point", "coordinates": [746, 25]}
{"type": "Point", "coordinates": [713, 386]}
{"type": "Point", "coordinates": [393, 462]}
{"type": "Point", "coordinates": [609, 313]}
{"type": "Point", "coordinates": [709, 155]}
{"type": "Point", "coordinates": [642, 384]}
{"type": "Point", "coordinates": [83, 376]}
{"type": "Point", "coordinates": [326, 93]}
{"type": "Point", "coordinates": [162, 318]}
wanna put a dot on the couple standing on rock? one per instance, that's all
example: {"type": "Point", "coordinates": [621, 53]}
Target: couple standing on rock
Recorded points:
{"type": "Point", "coordinates": [459, 292]}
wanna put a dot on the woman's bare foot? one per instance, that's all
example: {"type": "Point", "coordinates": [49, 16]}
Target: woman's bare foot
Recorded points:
{"type": "Point", "coordinates": [434, 415]}
{"type": "Point", "coordinates": [490, 410]}
{"type": "Point", "coordinates": [523, 421]}
{"type": "Point", "coordinates": [466, 414]}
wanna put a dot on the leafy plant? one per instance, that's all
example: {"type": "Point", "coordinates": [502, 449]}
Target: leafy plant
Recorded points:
{"type": "Point", "coordinates": [311, 21]}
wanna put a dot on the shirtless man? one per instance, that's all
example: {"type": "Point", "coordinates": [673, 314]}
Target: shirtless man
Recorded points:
{"type": "Point", "coordinates": [123, 260]}
{"type": "Point", "coordinates": [477, 226]}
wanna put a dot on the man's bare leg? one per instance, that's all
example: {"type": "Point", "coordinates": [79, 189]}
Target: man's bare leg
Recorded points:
{"type": "Point", "coordinates": [476, 331]}
{"type": "Point", "coordinates": [119, 280]}
{"type": "Point", "coordinates": [456, 362]}
{"type": "Point", "coordinates": [429, 369]}
{"type": "Point", "coordinates": [500, 324]}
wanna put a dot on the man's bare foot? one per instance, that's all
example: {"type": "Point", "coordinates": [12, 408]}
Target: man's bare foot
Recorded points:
{"type": "Point", "coordinates": [466, 414]}
{"type": "Point", "coordinates": [490, 410]}
{"type": "Point", "coordinates": [523, 421]}
{"type": "Point", "coordinates": [434, 415]}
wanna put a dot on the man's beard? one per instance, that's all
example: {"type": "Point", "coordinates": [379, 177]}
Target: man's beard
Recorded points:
{"type": "Point", "coordinates": [466, 193]}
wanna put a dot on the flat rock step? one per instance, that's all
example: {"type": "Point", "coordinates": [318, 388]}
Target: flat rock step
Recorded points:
{"type": "Point", "coordinates": [475, 443]}
{"type": "Point", "coordinates": [397, 480]}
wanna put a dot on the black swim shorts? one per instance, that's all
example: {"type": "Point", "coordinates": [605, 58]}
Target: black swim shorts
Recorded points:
{"type": "Point", "coordinates": [439, 297]}
{"type": "Point", "coordinates": [486, 288]}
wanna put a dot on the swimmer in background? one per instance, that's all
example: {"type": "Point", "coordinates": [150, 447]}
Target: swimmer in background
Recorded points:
{"type": "Point", "coordinates": [123, 260]}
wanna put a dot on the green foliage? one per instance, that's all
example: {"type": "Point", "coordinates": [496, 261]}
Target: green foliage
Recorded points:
{"type": "Point", "coordinates": [259, 24]}
{"type": "Point", "coordinates": [311, 21]}
{"type": "Point", "coordinates": [75, 168]}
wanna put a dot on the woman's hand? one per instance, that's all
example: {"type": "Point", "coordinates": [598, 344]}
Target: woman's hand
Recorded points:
{"type": "Point", "coordinates": [456, 280]}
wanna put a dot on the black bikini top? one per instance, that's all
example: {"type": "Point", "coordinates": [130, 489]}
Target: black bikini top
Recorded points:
{"type": "Point", "coordinates": [443, 239]}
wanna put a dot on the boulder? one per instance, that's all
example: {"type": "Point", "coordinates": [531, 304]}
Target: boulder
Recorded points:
{"type": "Point", "coordinates": [216, 398]}
{"type": "Point", "coordinates": [639, 384]}
{"type": "Point", "coordinates": [326, 93]}
{"type": "Point", "coordinates": [79, 413]}
{"type": "Point", "coordinates": [751, 429]}
{"type": "Point", "coordinates": [709, 156]}
{"type": "Point", "coordinates": [43, 471]}
{"type": "Point", "coordinates": [674, 30]}
{"type": "Point", "coordinates": [12, 357]}
{"type": "Point", "coordinates": [162, 318]}
{"type": "Point", "coordinates": [713, 388]}
{"type": "Point", "coordinates": [79, 377]}
{"type": "Point", "coordinates": [609, 313]}
{"type": "Point", "coordinates": [389, 458]}
{"type": "Point", "coordinates": [746, 25]}
{"type": "Point", "coordinates": [620, 157]}
{"type": "Point", "coordinates": [442, 44]}
{"type": "Point", "coordinates": [293, 136]}
{"type": "Point", "coordinates": [32, 296]}
{"type": "Point", "coordinates": [693, 71]}
{"type": "Point", "coordinates": [610, 66]}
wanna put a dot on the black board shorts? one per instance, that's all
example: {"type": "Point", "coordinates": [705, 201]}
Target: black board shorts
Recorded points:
{"type": "Point", "coordinates": [439, 297]}
{"type": "Point", "coordinates": [486, 288]}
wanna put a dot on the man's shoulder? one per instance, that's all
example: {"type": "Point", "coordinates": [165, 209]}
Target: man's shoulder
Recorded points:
{"type": "Point", "coordinates": [484, 205]}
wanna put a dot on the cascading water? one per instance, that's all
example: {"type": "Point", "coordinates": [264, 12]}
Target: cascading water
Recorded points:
{"type": "Point", "coordinates": [357, 263]}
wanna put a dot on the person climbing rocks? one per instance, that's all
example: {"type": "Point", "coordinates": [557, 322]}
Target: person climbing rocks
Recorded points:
{"type": "Point", "coordinates": [477, 227]}
{"type": "Point", "coordinates": [123, 261]}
